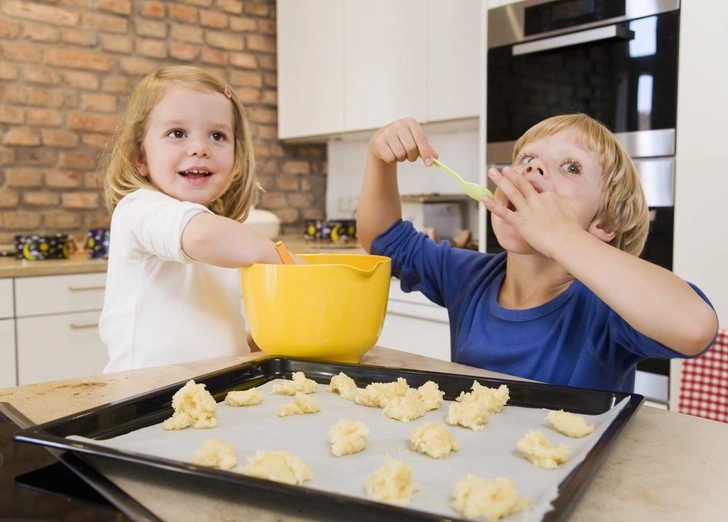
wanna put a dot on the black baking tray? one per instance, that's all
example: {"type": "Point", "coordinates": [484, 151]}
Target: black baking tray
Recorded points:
{"type": "Point", "coordinates": [120, 417]}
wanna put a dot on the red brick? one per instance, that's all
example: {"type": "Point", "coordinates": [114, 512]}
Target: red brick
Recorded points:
{"type": "Point", "coordinates": [59, 138]}
{"type": "Point", "coordinates": [262, 115]}
{"type": "Point", "coordinates": [22, 137]}
{"type": "Point", "coordinates": [267, 26]}
{"type": "Point", "coordinates": [264, 44]}
{"type": "Point", "coordinates": [312, 213]}
{"type": "Point", "coordinates": [98, 102]}
{"type": "Point", "coordinates": [150, 28]}
{"type": "Point", "coordinates": [81, 200]}
{"type": "Point", "coordinates": [248, 95]}
{"type": "Point", "coordinates": [224, 40]}
{"type": "Point", "coordinates": [122, 7]}
{"type": "Point", "coordinates": [270, 79]}
{"type": "Point", "coordinates": [40, 199]}
{"type": "Point", "coordinates": [40, 13]}
{"type": "Point", "coordinates": [106, 23]}
{"type": "Point", "coordinates": [41, 33]}
{"type": "Point", "coordinates": [300, 200]}
{"type": "Point", "coordinates": [82, 80]}
{"type": "Point", "coordinates": [56, 220]}
{"type": "Point", "coordinates": [187, 34]}
{"type": "Point", "coordinates": [20, 220]}
{"type": "Point", "coordinates": [7, 156]}
{"type": "Point", "coordinates": [268, 62]}
{"type": "Point", "coordinates": [214, 19]}
{"type": "Point", "coordinates": [246, 78]}
{"type": "Point", "coordinates": [270, 98]}
{"type": "Point", "coordinates": [70, 100]}
{"type": "Point", "coordinates": [184, 14]}
{"type": "Point", "coordinates": [117, 43]}
{"type": "Point", "coordinates": [44, 118]}
{"type": "Point", "coordinates": [8, 71]}
{"type": "Point", "coordinates": [198, 3]}
{"type": "Point", "coordinates": [9, 29]}
{"type": "Point", "coordinates": [151, 48]}
{"type": "Point", "coordinates": [116, 84]}
{"type": "Point", "coordinates": [56, 99]}
{"type": "Point", "coordinates": [93, 180]}
{"type": "Point", "coordinates": [21, 52]}
{"type": "Point", "coordinates": [273, 200]}
{"type": "Point", "coordinates": [77, 160]}
{"type": "Point", "coordinates": [9, 198]}
{"type": "Point", "coordinates": [264, 132]}
{"type": "Point", "coordinates": [89, 60]}
{"type": "Point", "coordinates": [243, 25]}
{"type": "Point", "coordinates": [213, 56]}
{"type": "Point", "coordinates": [11, 114]}
{"type": "Point", "coordinates": [62, 179]}
{"type": "Point", "coordinates": [296, 167]}
{"type": "Point", "coordinates": [14, 94]}
{"type": "Point", "coordinates": [183, 51]}
{"type": "Point", "coordinates": [102, 220]}
{"type": "Point", "coordinates": [37, 96]}
{"type": "Point", "coordinates": [153, 10]}
{"type": "Point", "coordinates": [81, 37]}
{"type": "Point", "coordinates": [45, 75]}
{"type": "Point", "coordinates": [37, 157]}
{"type": "Point", "coordinates": [288, 183]}
{"type": "Point", "coordinates": [97, 141]}
{"type": "Point", "coordinates": [93, 123]}
{"type": "Point", "coordinates": [288, 216]}
{"type": "Point", "coordinates": [256, 9]}
{"type": "Point", "coordinates": [244, 60]}
{"type": "Point", "coordinates": [137, 66]}
{"type": "Point", "coordinates": [23, 177]}
{"type": "Point", "coordinates": [230, 6]}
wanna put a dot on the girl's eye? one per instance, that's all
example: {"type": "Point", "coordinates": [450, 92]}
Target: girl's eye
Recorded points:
{"type": "Point", "coordinates": [177, 133]}
{"type": "Point", "coordinates": [572, 168]}
{"type": "Point", "coordinates": [218, 136]}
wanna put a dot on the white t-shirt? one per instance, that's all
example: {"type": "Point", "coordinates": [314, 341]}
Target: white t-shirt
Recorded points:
{"type": "Point", "coordinates": [160, 306]}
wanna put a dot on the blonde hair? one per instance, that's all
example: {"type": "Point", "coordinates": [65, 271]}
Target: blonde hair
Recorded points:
{"type": "Point", "coordinates": [622, 204]}
{"type": "Point", "coordinates": [122, 176]}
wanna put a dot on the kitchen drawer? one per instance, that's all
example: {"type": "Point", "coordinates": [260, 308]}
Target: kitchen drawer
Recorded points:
{"type": "Point", "coordinates": [59, 347]}
{"type": "Point", "coordinates": [6, 298]}
{"type": "Point", "coordinates": [7, 353]}
{"type": "Point", "coordinates": [59, 294]}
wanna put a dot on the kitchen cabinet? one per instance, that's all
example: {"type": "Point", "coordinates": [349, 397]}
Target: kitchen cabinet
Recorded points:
{"type": "Point", "coordinates": [7, 334]}
{"type": "Point", "coordinates": [56, 319]}
{"type": "Point", "coordinates": [357, 65]}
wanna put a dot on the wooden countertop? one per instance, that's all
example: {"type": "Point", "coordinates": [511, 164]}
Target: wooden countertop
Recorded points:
{"type": "Point", "coordinates": [664, 465]}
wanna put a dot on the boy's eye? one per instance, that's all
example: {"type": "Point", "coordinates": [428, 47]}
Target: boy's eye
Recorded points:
{"type": "Point", "coordinates": [218, 136]}
{"type": "Point", "coordinates": [526, 160]}
{"type": "Point", "coordinates": [177, 133]}
{"type": "Point", "coordinates": [571, 168]}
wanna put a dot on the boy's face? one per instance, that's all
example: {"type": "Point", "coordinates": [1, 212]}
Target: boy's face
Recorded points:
{"type": "Point", "coordinates": [188, 149]}
{"type": "Point", "coordinates": [557, 163]}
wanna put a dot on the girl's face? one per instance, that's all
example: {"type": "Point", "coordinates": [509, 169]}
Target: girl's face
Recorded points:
{"type": "Point", "coordinates": [558, 163]}
{"type": "Point", "coordinates": [188, 150]}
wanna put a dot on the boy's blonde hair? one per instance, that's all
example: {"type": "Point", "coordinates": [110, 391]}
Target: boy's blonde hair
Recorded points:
{"type": "Point", "coordinates": [622, 205]}
{"type": "Point", "coordinates": [122, 176]}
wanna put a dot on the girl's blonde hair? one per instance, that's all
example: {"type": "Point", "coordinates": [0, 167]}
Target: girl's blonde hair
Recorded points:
{"type": "Point", "coordinates": [622, 205]}
{"type": "Point", "coordinates": [122, 176]}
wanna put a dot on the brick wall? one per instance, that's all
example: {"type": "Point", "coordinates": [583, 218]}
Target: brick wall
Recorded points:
{"type": "Point", "coordinates": [67, 68]}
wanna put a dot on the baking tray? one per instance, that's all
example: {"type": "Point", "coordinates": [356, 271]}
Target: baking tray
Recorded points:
{"type": "Point", "coordinates": [147, 409]}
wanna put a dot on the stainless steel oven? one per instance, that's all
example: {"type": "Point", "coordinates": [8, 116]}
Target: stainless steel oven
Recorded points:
{"type": "Point", "coordinates": [616, 60]}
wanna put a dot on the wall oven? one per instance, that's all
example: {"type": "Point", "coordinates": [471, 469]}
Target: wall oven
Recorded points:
{"type": "Point", "coordinates": [616, 60]}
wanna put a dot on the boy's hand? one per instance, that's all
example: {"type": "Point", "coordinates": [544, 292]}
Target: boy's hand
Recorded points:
{"type": "Point", "coordinates": [401, 140]}
{"type": "Point", "coordinates": [541, 218]}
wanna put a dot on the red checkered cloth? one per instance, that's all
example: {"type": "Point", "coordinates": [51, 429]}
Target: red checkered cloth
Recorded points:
{"type": "Point", "coordinates": [704, 382]}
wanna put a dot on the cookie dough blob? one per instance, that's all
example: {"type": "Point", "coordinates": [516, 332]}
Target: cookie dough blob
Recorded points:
{"type": "Point", "coordinates": [251, 397]}
{"type": "Point", "coordinates": [216, 454]}
{"type": "Point", "coordinates": [469, 414]}
{"type": "Point", "coordinates": [302, 404]}
{"type": "Point", "coordinates": [433, 439]}
{"type": "Point", "coordinates": [344, 386]}
{"type": "Point", "coordinates": [299, 383]}
{"type": "Point", "coordinates": [539, 450]}
{"type": "Point", "coordinates": [494, 498]}
{"type": "Point", "coordinates": [406, 408]}
{"type": "Point", "coordinates": [569, 424]}
{"type": "Point", "coordinates": [279, 466]}
{"type": "Point", "coordinates": [431, 395]}
{"type": "Point", "coordinates": [348, 437]}
{"type": "Point", "coordinates": [493, 398]}
{"type": "Point", "coordinates": [378, 394]}
{"type": "Point", "coordinates": [392, 483]}
{"type": "Point", "coordinates": [193, 406]}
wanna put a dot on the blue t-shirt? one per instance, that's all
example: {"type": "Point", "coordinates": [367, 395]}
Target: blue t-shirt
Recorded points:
{"type": "Point", "coordinates": [573, 340]}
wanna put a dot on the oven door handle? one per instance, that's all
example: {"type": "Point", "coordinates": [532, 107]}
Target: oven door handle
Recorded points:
{"type": "Point", "coordinates": [607, 32]}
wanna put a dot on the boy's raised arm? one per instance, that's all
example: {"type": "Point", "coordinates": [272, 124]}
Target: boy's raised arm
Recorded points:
{"type": "Point", "coordinates": [379, 204]}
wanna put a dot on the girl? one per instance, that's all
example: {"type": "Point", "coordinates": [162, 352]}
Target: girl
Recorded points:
{"type": "Point", "coordinates": [180, 181]}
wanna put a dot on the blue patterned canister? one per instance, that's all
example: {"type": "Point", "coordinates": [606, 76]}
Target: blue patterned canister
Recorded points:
{"type": "Point", "coordinates": [97, 243]}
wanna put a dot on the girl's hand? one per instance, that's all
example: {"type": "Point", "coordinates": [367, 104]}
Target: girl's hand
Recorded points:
{"type": "Point", "coordinates": [543, 219]}
{"type": "Point", "coordinates": [402, 140]}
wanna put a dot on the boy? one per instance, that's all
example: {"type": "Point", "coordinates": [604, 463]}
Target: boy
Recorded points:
{"type": "Point", "coordinates": [569, 302]}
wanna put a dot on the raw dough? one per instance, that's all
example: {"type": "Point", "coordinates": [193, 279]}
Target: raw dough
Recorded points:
{"type": "Point", "coordinates": [433, 439]}
{"type": "Point", "coordinates": [407, 408]}
{"type": "Point", "coordinates": [569, 424]}
{"type": "Point", "coordinates": [193, 406]}
{"type": "Point", "coordinates": [348, 437]}
{"type": "Point", "coordinates": [344, 386]}
{"type": "Point", "coordinates": [216, 454]}
{"type": "Point", "coordinates": [302, 404]}
{"type": "Point", "coordinates": [378, 394]}
{"type": "Point", "coordinates": [299, 383]}
{"type": "Point", "coordinates": [249, 397]}
{"type": "Point", "coordinates": [495, 498]}
{"type": "Point", "coordinates": [279, 466]}
{"type": "Point", "coordinates": [493, 398]}
{"type": "Point", "coordinates": [469, 414]}
{"type": "Point", "coordinates": [392, 483]}
{"type": "Point", "coordinates": [539, 450]}
{"type": "Point", "coordinates": [432, 397]}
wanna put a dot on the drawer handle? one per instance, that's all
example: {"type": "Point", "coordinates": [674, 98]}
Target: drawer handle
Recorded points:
{"type": "Point", "coordinates": [82, 326]}
{"type": "Point", "coordinates": [85, 288]}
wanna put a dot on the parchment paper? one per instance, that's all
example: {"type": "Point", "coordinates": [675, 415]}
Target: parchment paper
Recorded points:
{"type": "Point", "coordinates": [488, 453]}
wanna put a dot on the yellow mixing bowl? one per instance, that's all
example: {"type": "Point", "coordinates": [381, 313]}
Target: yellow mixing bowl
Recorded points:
{"type": "Point", "coordinates": [332, 309]}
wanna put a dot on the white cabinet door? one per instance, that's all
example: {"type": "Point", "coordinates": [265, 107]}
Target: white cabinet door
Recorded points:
{"type": "Point", "coordinates": [59, 293]}
{"type": "Point", "coordinates": [454, 59]}
{"type": "Point", "coordinates": [414, 335]}
{"type": "Point", "coordinates": [385, 62]}
{"type": "Point", "coordinates": [7, 353]}
{"type": "Point", "coordinates": [310, 67]}
{"type": "Point", "coordinates": [59, 346]}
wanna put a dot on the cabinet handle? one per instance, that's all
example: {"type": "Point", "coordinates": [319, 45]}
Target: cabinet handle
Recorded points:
{"type": "Point", "coordinates": [85, 288]}
{"type": "Point", "coordinates": [556, 42]}
{"type": "Point", "coordinates": [83, 325]}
